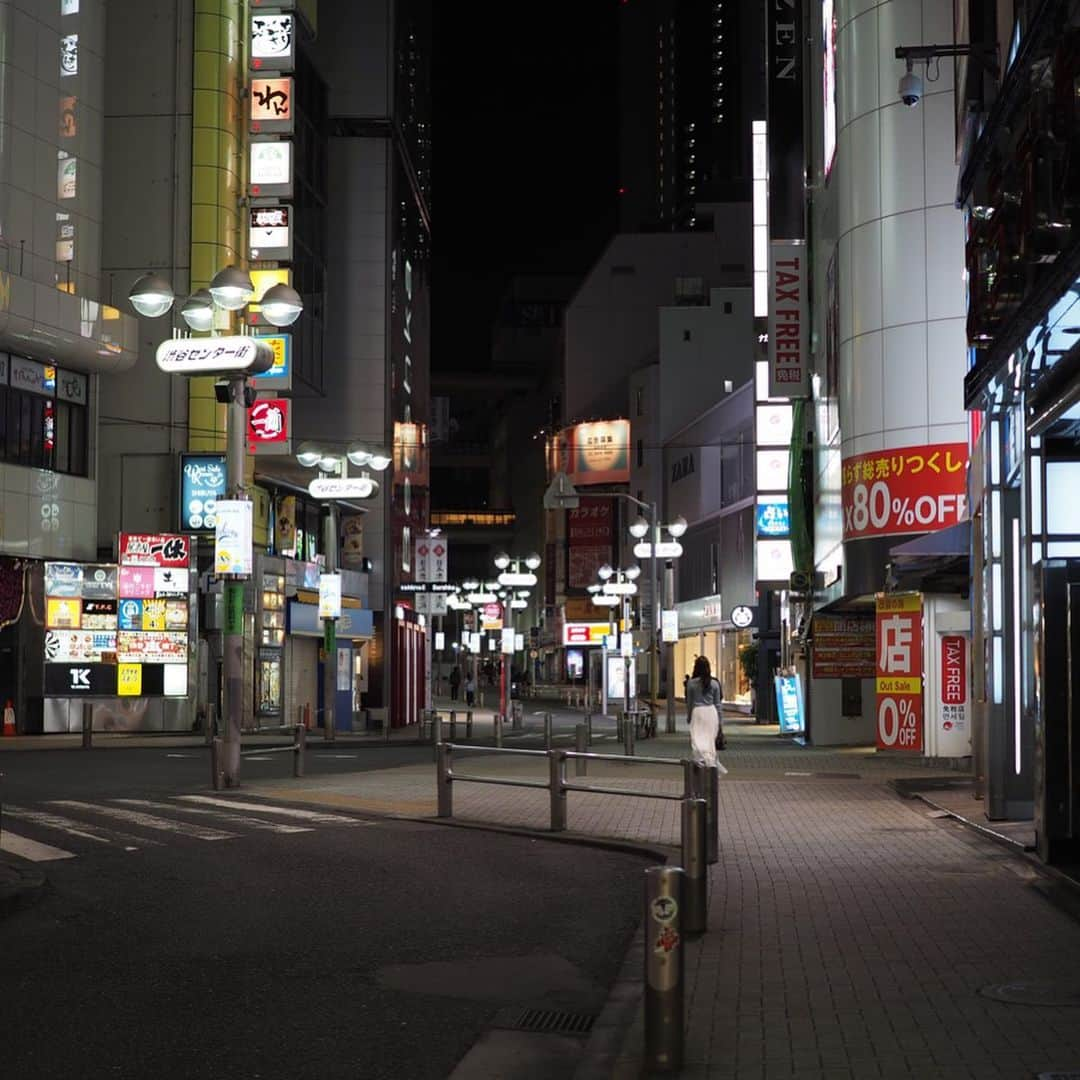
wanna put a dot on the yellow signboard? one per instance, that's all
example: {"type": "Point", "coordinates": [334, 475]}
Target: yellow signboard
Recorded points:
{"type": "Point", "coordinates": [129, 680]}
{"type": "Point", "coordinates": [153, 615]}
{"type": "Point", "coordinates": [63, 613]}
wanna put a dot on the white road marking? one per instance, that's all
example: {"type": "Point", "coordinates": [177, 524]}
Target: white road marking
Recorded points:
{"type": "Point", "coordinates": [248, 758]}
{"type": "Point", "coordinates": [179, 755]}
{"type": "Point", "coordinates": [240, 819]}
{"type": "Point", "coordinates": [798, 774]}
{"type": "Point", "coordinates": [285, 811]}
{"type": "Point", "coordinates": [31, 849]}
{"type": "Point", "coordinates": [76, 828]}
{"type": "Point", "coordinates": [339, 757]}
{"type": "Point", "coordinates": [148, 821]}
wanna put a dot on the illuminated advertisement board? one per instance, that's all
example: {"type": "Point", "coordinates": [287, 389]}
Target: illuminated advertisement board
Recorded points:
{"type": "Point", "coordinates": [599, 452]}
{"type": "Point", "coordinates": [270, 167]}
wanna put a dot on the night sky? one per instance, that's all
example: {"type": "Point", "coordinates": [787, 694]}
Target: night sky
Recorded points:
{"type": "Point", "coordinates": [524, 159]}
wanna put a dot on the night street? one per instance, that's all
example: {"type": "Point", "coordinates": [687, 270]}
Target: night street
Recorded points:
{"type": "Point", "coordinates": [181, 938]}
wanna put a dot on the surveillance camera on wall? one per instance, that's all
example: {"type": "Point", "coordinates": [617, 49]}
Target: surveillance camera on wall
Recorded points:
{"type": "Point", "coordinates": [911, 88]}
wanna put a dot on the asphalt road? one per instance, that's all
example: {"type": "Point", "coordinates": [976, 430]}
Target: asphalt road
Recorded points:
{"type": "Point", "coordinates": [356, 948]}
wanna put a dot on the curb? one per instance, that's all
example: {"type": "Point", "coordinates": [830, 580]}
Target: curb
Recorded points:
{"type": "Point", "coordinates": [19, 887]}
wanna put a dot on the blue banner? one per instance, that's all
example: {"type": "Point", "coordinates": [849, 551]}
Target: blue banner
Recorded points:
{"type": "Point", "coordinates": [789, 704]}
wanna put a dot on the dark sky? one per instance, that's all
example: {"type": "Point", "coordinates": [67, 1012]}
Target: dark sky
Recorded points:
{"type": "Point", "coordinates": [524, 157]}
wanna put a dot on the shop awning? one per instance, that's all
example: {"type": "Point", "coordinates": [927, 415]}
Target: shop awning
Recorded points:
{"type": "Point", "coordinates": [936, 562]}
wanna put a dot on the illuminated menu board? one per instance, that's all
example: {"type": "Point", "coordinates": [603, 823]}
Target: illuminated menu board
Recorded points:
{"type": "Point", "coordinates": [120, 630]}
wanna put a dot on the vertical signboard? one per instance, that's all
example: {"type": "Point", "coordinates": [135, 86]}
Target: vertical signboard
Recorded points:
{"type": "Point", "coordinates": [784, 32]}
{"type": "Point", "coordinates": [789, 370]}
{"type": "Point", "coordinates": [590, 538]}
{"type": "Point", "coordinates": [899, 647]}
{"type": "Point", "coordinates": [953, 683]}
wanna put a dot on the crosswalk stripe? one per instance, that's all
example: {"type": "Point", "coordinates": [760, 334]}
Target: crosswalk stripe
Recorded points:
{"type": "Point", "coordinates": [31, 849]}
{"type": "Point", "coordinates": [75, 828]}
{"type": "Point", "coordinates": [285, 811]}
{"type": "Point", "coordinates": [241, 819]}
{"type": "Point", "coordinates": [147, 821]}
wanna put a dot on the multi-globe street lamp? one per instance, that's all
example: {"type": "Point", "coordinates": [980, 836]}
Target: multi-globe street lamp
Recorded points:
{"type": "Point", "coordinates": [333, 483]}
{"type": "Point", "coordinates": [210, 311]}
{"type": "Point", "coordinates": [615, 590]}
{"type": "Point", "coordinates": [512, 577]}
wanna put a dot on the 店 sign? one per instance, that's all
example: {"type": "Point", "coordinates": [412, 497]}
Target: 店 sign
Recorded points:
{"type": "Point", "coordinates": [898, 644]}
{"type": "Point", "coordinates": [910, 489]}
{"type": "Point", "coordinates": [198, 356]}
{"type": "Point", "coordinates": [789, 374]}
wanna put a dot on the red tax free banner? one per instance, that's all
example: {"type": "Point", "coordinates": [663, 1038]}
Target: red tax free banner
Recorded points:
{"type": "Point", "coordinates": [912, 489]}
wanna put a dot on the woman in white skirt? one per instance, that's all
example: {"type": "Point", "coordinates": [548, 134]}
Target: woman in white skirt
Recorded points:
{"type": "Point", "coordinates": [703, 698]}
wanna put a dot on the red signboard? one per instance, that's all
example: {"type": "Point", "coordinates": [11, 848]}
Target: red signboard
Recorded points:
{"type": "Point", "coordinates": [899, 671]}
{"type": "Point", "coordinates": [154, 549]}
{"type": "Point", "coordinates": [911, 489]}
{"type": "Point", "coordinates": [953, 681]}
{"type": "Point", "coordinates": [843, 647]}
{"type": "Point", "coordinates": [588, 530]}
{"type": "Point", "coordinates": [268, 421]}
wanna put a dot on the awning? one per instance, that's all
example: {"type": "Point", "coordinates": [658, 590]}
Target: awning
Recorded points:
{"type": "Point", "coordinates": [938, 562]}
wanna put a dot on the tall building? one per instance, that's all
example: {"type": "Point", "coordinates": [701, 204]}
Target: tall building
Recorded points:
{"type": "Point", "coordinates": [61, 328]}
{"type": "Point", "coordinates": [292, 140]}
{"type": "Point", "coordinates": [692, 77]}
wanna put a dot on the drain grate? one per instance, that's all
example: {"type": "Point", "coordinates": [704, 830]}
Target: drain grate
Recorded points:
{"type": "Point", "coordinates": [550, 1021]}
{"type": "Point", "coordinates": [1024, 993]}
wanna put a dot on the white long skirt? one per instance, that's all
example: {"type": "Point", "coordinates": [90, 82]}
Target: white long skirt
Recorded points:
{"type": "Point", "coordinates": [704, 724]}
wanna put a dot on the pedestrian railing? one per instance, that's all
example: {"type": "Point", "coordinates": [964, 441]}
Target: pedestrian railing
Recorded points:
{"type": "Point", "coordinates": [297, 748]}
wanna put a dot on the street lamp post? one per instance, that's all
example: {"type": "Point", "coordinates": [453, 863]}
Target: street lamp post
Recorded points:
{"type": "Point", "coordinates": [230, 290]}
{"type": "Point", "coordinates": [512, 577]}
{"type": "Point", "coordinates": [334, 483]}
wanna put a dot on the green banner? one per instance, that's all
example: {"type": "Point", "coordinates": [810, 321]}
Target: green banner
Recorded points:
{"type": "Point", "coordinates": [234, 608]}
{"type": "Point", "coordinates": [329, 636]}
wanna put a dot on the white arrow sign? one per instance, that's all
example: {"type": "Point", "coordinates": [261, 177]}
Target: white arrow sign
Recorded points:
{"type": "Point", "coordinates": [349, 487]}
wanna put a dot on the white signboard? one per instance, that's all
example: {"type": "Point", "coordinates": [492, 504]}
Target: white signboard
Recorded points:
{"type": "Point", "coordinates": [349, 487]}
{"type": "Point", "coordinates": [789, 368]}
{"type": "Point", "coordinates": [440, 640]}
{"type": "Point", "coordinates": [272, 41]}
{"type": "Point", "coordinates": [197, 356]}
{"type": "Point", "coordinates": [669, 626]}
{"type": "Point", "coordinates": [507, 640]}
{"type": "Point", "coordinates": [232, 537]}
{"type": "Point", "coordinates": [329, 596]}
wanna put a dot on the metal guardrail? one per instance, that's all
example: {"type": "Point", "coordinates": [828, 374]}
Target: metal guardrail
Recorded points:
{"type": "Point", "coordinates": [297, 748]}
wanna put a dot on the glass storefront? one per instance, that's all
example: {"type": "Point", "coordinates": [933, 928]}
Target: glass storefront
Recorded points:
{"type": "Point", "coordinates": [721, 646]}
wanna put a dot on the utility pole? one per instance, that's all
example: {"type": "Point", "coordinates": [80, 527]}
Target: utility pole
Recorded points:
{"type": "Point", "coordinates": [235, 455]}
{"type": "Point", "coordinates": [669, 647]}
{"type": "Point", "coordinates": [330, 545]}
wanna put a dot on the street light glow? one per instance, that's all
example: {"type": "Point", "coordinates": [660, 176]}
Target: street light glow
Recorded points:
{"type": "Point", "coordinates": [198, 310]}
{"type": "Point", "coordinates": [232, 288]}
{"type": "Point", "coordinates": [677, 527]}
{"type": "Point", "coordinates": [639, 527]}
{"type": "Point", "coordinates": [151, 295]}
{"type": "Point", "coordinates": [281, 304]}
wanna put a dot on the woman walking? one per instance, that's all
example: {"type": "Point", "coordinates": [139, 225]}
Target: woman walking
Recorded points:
{"type": "Point", "coordinates": [703, 698]}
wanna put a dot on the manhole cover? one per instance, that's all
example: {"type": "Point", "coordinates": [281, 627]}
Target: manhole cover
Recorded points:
{"type": "Point", "coordinates": [1024, 993]}
{"type": "Point", "coordinates": [548, 1021]}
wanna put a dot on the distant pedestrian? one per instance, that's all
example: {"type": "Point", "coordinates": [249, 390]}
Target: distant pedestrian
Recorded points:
{"type": "Point", "coordinates": [703, 698]}
{"type": "Point", "coordinates": [470, 691]}
{"type": "Point", "coordinates": [455, 682]}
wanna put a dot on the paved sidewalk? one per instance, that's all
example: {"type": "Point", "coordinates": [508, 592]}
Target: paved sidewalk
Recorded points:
{"type": "Point", "coordinates": [852, 933]}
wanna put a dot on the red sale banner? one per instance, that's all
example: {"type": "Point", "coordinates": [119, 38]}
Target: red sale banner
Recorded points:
{"type": "Point", "coordinates": [911, 489]}
{"type": "Point", "coordinates": [898, 640]}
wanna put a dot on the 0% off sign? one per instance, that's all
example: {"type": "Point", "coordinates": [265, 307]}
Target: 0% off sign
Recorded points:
{"type": "Point", "coordinates": [899, 648]}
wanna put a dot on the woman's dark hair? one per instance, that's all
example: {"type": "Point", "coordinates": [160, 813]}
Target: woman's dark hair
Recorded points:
{"type": "Point", "coordinates": [702, 669]}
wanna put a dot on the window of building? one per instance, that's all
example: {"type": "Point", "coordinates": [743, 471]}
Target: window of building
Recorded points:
{"type": "Point", "coordinates": [43, 417]}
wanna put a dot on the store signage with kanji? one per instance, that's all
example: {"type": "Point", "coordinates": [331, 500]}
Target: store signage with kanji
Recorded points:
{"type": "Point", "coordinates": [899, 647]}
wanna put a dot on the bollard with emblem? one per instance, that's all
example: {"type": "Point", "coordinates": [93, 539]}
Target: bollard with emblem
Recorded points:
{"type": "Point", "coordinates": [663, 968]}
{"type": "Point", "coordinates": [710, 776]}
{"type": "Point", "coordinates": [300, 736]}
{"type": "Point", "coordinates": [436, 732]}
{"type": "Point", "coordinates": [557, 767]}
{"type": "Point", "coordinates": [216, 777]}
{"type": "Point", "coordinates": [87, 725]}
{"type": "Point", "coordinates": [581, 765]}
{"type": "Point", "coordinates": [547, 731]}
{"type": "Point", "coordinates": [498, 729]}
{"type": "Point", "coordinates": [445, 793]}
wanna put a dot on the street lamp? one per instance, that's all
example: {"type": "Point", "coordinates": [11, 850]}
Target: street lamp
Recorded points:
{"type": "Point", "coordinates": [229, 291]}
{"type": "Point", "coordinates": [511, 577]}
{"type": "Point", "coordinates": [615, 592]}
{"type": "Point", "coordinates": [332, 484]}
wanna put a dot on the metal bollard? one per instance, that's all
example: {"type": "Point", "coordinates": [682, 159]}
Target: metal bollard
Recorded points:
{"type": "Point", "coordinates": [581, 765]}
{"type": "Point", "coordinates": [443, 779]}
{"type": "Point", "coordinates": [628, 736]}
{"type": "Point", "coordinates": [547, 731]}
{"type": "Point", "coordinates": [517, 715]}
{"type": "Point", "coordinates": [211, 722]}
{"type": "Point", "coordinates": [588, 729]}
{"type": "Point", "coordinates": [216, 777]}
{"type": "Point", "coordinates": [557, 767]}
{"type": "Point", "coordinates": [87, 725]}
{"type": "Point", "coordinates": [420, 727]}
{"type": "Point", "coordinates": [695, 893]}
{"type": "Point", "coordinates": [453, 725]}
{"type": "Point", "coordinates": [664, 924]}
{"type": "Point", "coordinates": [299, 746]}
{"type": "Point", "coordinates": [436, 732]}
{"type": "Point", "coordinates": [710, 779]}
{"type": "Point", "coordinates": [468, 724]}
{"type": "Point", "coordinates": [498, 729]}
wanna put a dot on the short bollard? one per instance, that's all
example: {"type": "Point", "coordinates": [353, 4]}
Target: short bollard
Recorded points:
{"type": "Point", "coordinates": [619, 725]}
{"type": "Point", "coordinates": [300, 745]}
{"type": "Point", "coordinates": [445, 792]}
{"type": "Point", "coordinates": [628, 736]}
{"type": "Point", "coordinates": [581, 765]}
{"type": "Point", "coordinates": [557, 766]}
{"type": "Point", "coordinates": [517, 714]}
{"type": "Point", "coordinates": [547, 731]}
{"type": "Point", "coordinates": [453, 725]}
{"type": "Point", "coordinates": [211, 722]}
{"type": "Point", "coordinates": [498, 729]}
{"type": "Point", "coordinates": [468, 724]}
{"type": "Point", "coordinates": [588, 729]}
{"type": "Point", "coordinates": [87, 725]}
{"type": "Point", "coordinates": [664, 926]}
{"type": "Point", "coordinates": [420, 727]}
{"type": "Point", "coordinates": [216, 777]}
{"type": "Point", "coordinates": [695, 893]}
{"type": "Point", "coordinates": [711, 779]}
{"type": "Point", "coordinates": [436, 731]}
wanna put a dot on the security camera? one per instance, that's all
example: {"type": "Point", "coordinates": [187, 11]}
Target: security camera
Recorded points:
{"type": "Point", "coordinates": [911, 88]}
